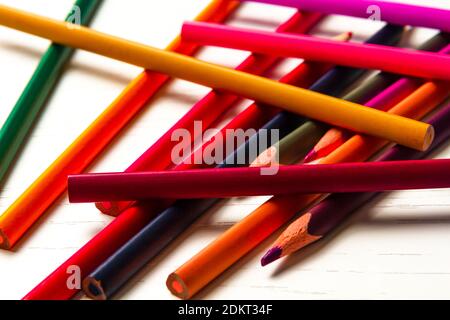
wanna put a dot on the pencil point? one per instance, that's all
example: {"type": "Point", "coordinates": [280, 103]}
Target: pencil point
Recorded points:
{"type": "Point", "coordinates": [271, 255]}
{"type": "Point", "coordinates": [311, 156]}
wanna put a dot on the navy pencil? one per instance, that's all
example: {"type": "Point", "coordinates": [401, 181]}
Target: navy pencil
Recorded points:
{"type": "Point", "coordinates": [109, 277]}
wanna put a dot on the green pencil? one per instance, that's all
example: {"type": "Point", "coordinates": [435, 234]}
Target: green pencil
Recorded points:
{"type": "Point", "coordinates": [33, 98]}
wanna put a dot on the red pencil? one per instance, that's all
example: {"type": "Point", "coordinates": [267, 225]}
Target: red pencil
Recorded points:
{"type": "Point", "coordinates": [235, 182]}
{"type": "Point", "coordinates": [126, 225]}
{"type": "Point", "coordinates": [208, 110]}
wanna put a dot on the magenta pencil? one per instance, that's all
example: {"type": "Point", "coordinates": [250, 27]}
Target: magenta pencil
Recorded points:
{"type": "Point", "coordinates": [222, 183]}
{"type": "Point", "coordinates": [408, 62]}
{"type": "Point", "coordinates": [395, 13]}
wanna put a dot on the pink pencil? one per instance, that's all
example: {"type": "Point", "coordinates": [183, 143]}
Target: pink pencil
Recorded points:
{"type": "Point", "coordinates": [222, 183]}
{"type": "Point", "coordinates": [408, 62]}
{"type": "Point", "coordinates": [395, 13]}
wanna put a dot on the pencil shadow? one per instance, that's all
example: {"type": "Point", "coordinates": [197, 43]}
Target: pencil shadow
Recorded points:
{"type": "Point", "coordinates": [21, 50]}
{"type": "Point", "coordinates": [148, 269]}
{"type": "Point", "coordinates": [256, 22]}
{"type": "Point", "coordinates": [182, 97]}
{"type": "Point", "coordinates": [37, 120]}
{"type": "Point", "coordinates": [324, 31]}
{"type": "Point", "coordinates": [363, 216]}
{"type": "Point", "coordinates": [44, 218]}
{"type": "Point", "coordinates": [103, 74]}
{"type": "Point", "coordinates": [167, 93]}
{"type": "Point", "coordinates": [244, 262]}
{"type": "Point", "coordinates": [90, 70]}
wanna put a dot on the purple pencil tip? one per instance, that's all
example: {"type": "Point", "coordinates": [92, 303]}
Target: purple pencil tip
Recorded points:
{"type": "Point", "coordinates": [271, 255]}
{"type": "Point", "coordinates": [311, 156]}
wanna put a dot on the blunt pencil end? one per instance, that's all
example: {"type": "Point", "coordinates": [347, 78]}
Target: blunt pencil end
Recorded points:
{"type": "Point", "coordinates": [104, 207]}
{"type": "Point", "coordinates": [93, 289]}
{"type": "Point", "coordinates": [272, 255]}
{"type": "Point", "coordinates": [109, 208]}
{"type": "Point", "coordinates": [429, 138]}
{"type": "Point", "coordinates": [177, 286]}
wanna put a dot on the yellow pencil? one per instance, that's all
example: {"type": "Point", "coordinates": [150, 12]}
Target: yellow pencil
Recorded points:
{"type": "Point", "coordinates": [310, 104]}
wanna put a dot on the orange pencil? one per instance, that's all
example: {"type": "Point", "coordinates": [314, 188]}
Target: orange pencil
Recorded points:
{"type": "Point", "coordinates": [237, 241]}
{"type": "Point", "coordinates": [46, 189]}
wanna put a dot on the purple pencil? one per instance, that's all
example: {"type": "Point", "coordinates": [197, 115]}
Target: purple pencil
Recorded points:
{"type": "Point", "coordinates": [395, 13]}
{"type": "Point", "coordinates": [230, 182]}
{"type": "Point", "coordinates": [328, 214]}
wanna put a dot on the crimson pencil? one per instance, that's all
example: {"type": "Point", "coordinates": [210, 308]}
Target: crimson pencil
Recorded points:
{"type": "Point", "coordinates": [173, 221]}
{"type": "Point", "coordinates": [49, 186]}
{"type": "Point", "coordinates": [208, 109]}
{"type": "Point", "coordinates": [234, 182]}
{"type": "Point", "coordinates": [55, 287]}
{"type": "Point", "coordinates": [126, 225]}
{"type": "Point", "coordinates": [409, 62]}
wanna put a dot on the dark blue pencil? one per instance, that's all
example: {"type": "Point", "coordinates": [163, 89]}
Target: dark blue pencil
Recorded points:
{"type": "Point", "coordinates": [108, 278]}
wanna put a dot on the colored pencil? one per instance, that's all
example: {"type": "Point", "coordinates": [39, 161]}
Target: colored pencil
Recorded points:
{"type": "Point", "coordinates": [336, 136]}
{"type": "Point", "coordinates": [403, 61]}
{"type": "Point", "coordinates": [395, 13]}
{"type": "Point", "coordinates": [237, 241]}
{"type": "Point", "coordinates": [429, 95]}
{"type": "Point", "coordinates": [208, 109]}
{"type": "Point", "coordinates": [256, 115]}
{"type": "Point", "coordinates": [331, 212]}
{"type": "Point", "coordinates": [126, 225]}
{"type": "Point", "coordinates": [241, 182]}
{"type": "Point", "coordinates": [329, 84]}
{"type": "Point", "coordinates": [114, 272]}
{"type": "Point", "coordinates": [36, 93]}
{"type": "Point", "coordinates": [53, 181]}
{"type": "Point", "coordinates": [310, 104]}
{"type": "Point", "coordinates": [293, 146]}
{"type": "Point", "coordinates": [131, 220]}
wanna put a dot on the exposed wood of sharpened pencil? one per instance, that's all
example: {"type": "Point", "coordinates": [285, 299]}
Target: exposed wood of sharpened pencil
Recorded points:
{"type": "Point", "coordinates": [327, 215]}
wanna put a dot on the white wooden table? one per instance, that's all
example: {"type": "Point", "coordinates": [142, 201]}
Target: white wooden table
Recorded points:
{"type": "Point", "coordinates": [396, 247]}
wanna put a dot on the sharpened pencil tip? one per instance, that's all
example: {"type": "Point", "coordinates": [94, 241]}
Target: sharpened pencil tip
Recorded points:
{"type": "Point", "coordinates": [311, 156]}
{"type": "Point", "coordinates": [271, 255]}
